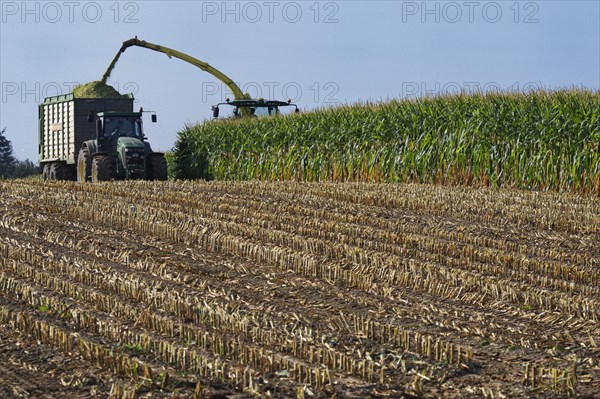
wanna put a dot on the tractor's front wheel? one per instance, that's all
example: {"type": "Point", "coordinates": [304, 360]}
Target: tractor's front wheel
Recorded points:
{"type": "Point", "coordinates": [157, 165]}
{"type": "Point", "coordinates": [103, 168]}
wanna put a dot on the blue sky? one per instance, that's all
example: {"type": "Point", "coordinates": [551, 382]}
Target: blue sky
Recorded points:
{"type": "Point", "coordinates": [319, 53]}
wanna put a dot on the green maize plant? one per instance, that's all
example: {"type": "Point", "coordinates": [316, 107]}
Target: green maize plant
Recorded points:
{"type": "Point", "coordinates": [538, 140]}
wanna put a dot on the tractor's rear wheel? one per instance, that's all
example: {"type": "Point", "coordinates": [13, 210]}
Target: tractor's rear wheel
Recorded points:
{"type": "Point", "coordinates": [158, 167]}
{"type": "Point", "coordinates": [84, 166]}
{"type": "Point", "coordinates": [103, 168]}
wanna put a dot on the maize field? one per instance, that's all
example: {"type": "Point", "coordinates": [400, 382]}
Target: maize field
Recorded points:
{"type": "Point", "coordinates": [538, 140]}
{"type": "Point", "coordinates": [297, 290]}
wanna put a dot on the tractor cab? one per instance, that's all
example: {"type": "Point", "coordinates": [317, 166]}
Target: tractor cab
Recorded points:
{"type": "Point", "coordinates": [254, 108]}
{"type": "Point", "coordinates": [112, 125]}
{"type": "Point", "coordinates": [122, 126]}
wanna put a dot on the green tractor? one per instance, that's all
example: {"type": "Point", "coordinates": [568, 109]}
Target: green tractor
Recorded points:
{"type": "Point", "coordinates": [119, 151]}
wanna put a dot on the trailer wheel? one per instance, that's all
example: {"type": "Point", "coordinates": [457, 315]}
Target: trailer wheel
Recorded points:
{"type": "Point", "coordinates": [46, 172]}
{"type": "Point", "coordinates": [84, 166]}
{"type": "Point", "coordinates": [103, 168]}
{"type": "Point", "coordinates": [52, 173]}
{"type": "Point", "coordinates": [158, 167]}
{"type": "Point", "coordinates": [59, 171]}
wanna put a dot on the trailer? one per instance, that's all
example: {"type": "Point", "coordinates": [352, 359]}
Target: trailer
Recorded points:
{"type": "Point", "coordinates": [75, 141]}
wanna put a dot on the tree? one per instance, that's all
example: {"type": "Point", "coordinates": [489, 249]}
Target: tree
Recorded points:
{"type": "Point", "coordinates": [24, 168]}
{"type": "Point", "coordinates": [7, 160]}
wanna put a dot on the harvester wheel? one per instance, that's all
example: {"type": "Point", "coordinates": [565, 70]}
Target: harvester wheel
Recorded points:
{"type": "Point", "coordinates": [46, 172]}
{"type": "Point", "coordinates": [158, 167]}
{"type": "Point", "coordinates": [84, 166]}
{"type": "Point", "coordinates": [103, 168]}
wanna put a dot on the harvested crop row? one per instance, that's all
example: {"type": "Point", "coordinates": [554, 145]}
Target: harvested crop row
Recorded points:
{"type": "Point", "coordinates": [492, 211]}
{"type": "Point", "coordinates": [279, 271]}
{"type": "Point", "coordinates": [319, 233]}
{"type": "Point", "coordinates": [180, 353]}
{"type": "Point", "coordinates": [156, 293]}
{"type": "Point", "coordinates": [572, 326]}
{"type": "Point", "coordinates": [415, 342]}
{"type": "Point", "coordinates": [438, 280]}
{"type": "Point", "coordinates": [56, 233]}
{"type": "Point", "coordinates": [184, 305]}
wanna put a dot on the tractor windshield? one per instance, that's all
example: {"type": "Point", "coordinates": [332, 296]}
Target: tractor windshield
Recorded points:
{"type": "Point", "coordinates": [122, 127]}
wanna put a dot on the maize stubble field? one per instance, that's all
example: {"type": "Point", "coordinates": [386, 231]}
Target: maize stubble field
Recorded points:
{"type": "Point", "coordinates": [288, 289]}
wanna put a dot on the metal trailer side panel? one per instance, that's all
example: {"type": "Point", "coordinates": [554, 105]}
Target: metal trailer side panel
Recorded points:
{"type": "Point", "coordinates": [57, 131]}
{"type": "Point", "coordinates": [63, 124]}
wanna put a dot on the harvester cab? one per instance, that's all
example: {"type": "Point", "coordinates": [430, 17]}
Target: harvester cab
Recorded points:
{"type": "Point", "coordinates": [259, 107]}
